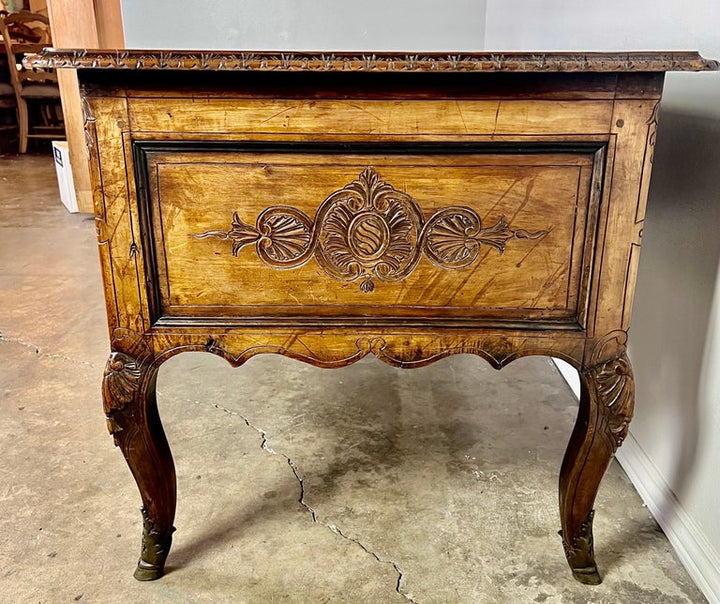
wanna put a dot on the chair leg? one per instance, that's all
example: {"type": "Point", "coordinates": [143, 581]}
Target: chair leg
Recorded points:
{"type": "Point", "coordinates": [22, 113]}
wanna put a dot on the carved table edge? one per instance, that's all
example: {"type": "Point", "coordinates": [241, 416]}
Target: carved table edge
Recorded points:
{"type": "Point", "coordinates": [218, 60]}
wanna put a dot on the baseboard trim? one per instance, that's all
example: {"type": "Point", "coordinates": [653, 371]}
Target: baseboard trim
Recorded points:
{"type": "Point", "coordinates": [570, 375]}
{"type": "Point", "coordinates": [696, 553]}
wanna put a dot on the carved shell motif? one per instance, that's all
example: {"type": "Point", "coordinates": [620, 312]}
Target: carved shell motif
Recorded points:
{"type": "Point", "coordinates": [282, 236]}
{"type": "Point", "coordinates": [616, 394]}
{"type": "Point", "coordinates": [121, 380]}
{"type": "Point", "coordinates": [369, 230]}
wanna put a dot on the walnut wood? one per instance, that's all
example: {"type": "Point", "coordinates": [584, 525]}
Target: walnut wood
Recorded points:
{"type": "Point", "coordinates": [324, 210]}
{"type": "Point", "coordinates": [130, 405]}
{"type": "Point", "coordinates": [606, 407]}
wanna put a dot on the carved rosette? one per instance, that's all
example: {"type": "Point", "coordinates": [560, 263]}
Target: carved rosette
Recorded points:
{"type": "Point", "coordinates": [368, 231]}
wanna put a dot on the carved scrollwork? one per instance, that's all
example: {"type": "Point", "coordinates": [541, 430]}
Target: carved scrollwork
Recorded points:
{"type": "Point", "coordinates": [282, 236]}
{"type": "Point", "coordinates": [611, 345]}
{"type": "Point", "coordinates": [453, 236]}
{"type": "Point", "coordinates": [369, 230]}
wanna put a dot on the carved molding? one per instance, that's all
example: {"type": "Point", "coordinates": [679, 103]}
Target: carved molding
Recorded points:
{"type": "Point", "coordinates": [497, 350]}
{"type": "Point", "coordinates": [341, 61]}
{"type": "Point", "coordinates": [368, 231]}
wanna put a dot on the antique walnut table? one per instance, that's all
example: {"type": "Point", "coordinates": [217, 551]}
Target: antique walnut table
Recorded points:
{"type": "Point", "coordinates": [328, 206]}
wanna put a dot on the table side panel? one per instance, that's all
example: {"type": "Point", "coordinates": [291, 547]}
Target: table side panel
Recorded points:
{"type": "Point", "coordinates": [596, 294]}
{"type": "Point", "coordinates": [329, 229]}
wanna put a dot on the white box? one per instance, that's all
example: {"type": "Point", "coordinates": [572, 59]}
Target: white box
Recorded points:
{"type": "Point", "coordinates": [61, 154]}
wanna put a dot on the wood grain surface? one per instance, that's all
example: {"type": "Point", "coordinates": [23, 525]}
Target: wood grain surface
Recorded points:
{"type": "Point", "coordinates": [328, 215]}
{"type": "Point", "coordinates": [528, 277]}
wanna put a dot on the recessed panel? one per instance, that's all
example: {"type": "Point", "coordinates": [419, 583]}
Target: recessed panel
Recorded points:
{"type": "Point", "coordinates": [393, 235]}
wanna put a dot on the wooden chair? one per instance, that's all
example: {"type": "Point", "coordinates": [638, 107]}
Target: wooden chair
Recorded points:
{"type": "Point", "coordinates": [8, 119]}
{"type": "Point", "coordinates": [37, 95]}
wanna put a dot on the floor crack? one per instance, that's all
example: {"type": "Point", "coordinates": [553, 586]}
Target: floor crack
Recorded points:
{"type": "Point", "coordinates": [40, 353]}
{"type": "Point", "coordinates": [399, 585]}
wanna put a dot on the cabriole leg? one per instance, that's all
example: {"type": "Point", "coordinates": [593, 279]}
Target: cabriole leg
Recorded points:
{"type": "Point", "coordinates": [133, 420]}
{"type": "Point", "coordinates": [606, 407]}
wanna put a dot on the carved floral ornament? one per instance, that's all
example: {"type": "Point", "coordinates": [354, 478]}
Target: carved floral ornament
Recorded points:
{"type": "Point", "coordinates": [368, 231]}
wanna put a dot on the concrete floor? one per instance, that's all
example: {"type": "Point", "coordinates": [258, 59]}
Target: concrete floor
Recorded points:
{"type": "Point", "coordinates": [295, 484]}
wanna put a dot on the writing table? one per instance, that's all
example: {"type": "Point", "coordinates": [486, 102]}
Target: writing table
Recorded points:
{"type": "Point", "coordinates": [330, 206]}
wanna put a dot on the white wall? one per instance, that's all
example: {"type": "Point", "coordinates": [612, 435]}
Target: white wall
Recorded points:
{"type": "Point", "coordinates": [305, 24]}
{"type": "Point", "coordinates": [673, 452]}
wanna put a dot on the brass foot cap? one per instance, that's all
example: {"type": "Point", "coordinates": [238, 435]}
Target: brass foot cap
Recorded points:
{"type": "Point", "coordinates": [146, 572]}
{"type": "Point", "coordinates": [588, 575]}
